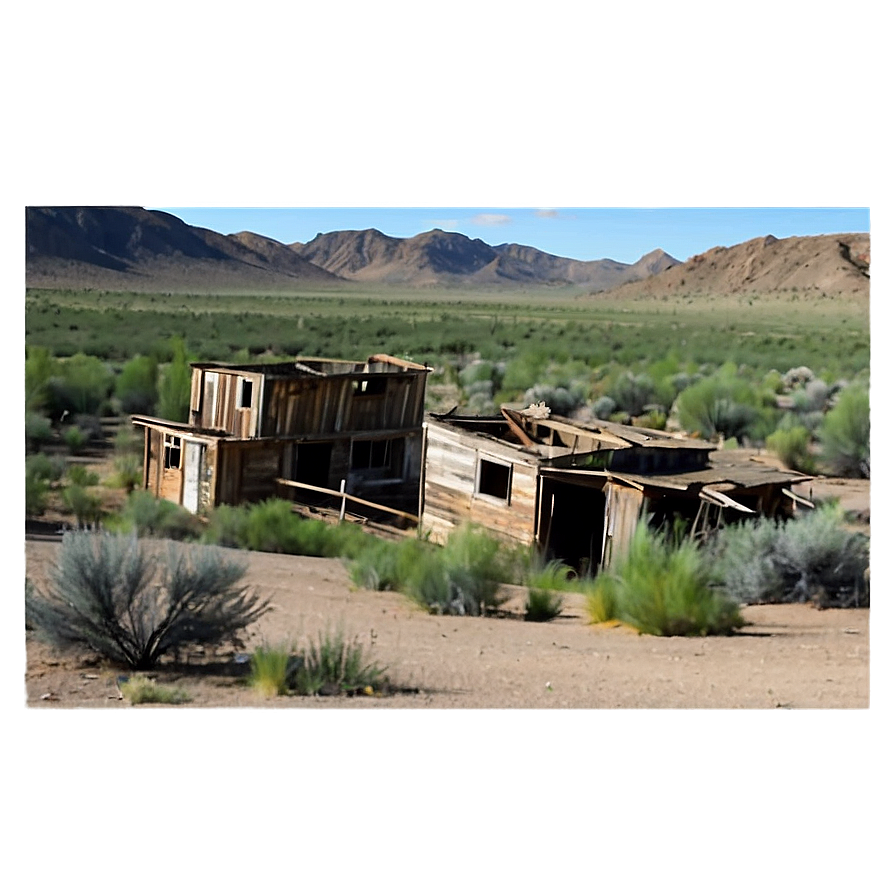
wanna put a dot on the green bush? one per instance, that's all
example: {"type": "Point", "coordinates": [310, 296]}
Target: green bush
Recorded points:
{"type": "Point", "coordinates": [142, 689]}
{"type": "Point", "coordinates": [663, 588]}
{"type": "Point", "coordinates": [386, 565]}
{"type": "Point", "coordinates": [128, 472]}
{"type": "Point", "coordinates": [846, 434]}
{"type": "Point", "coordinates": [36, 489]}
{"type": "Point", "coordinates": [111, 595]}
{"type": "Point", "coordinates": [46, 467]}
{"type": "Point", "coordinates": [791, 447]}
{"type": "Point", "coordinates": [174, 389]}
{"type": "Point", "coordinates": [227, 526]}
{"type": "Point", "coordinates": [75, 439]}
{"type": "Point", "coordinates": [137, 385]}
{"type": "Point", "coordinates": [40, 367]}
{"type": "Point", "coordinates": [720, 405]}
{"type": "Point", "coordinates": [79, 474]}
{"type": "Point", "coordinates": [145, 515]}
{"type": "Point", "coordinates": [82, 385]}
{"type": "Point", "coordinates": [461, 578]}
{"type": "Point", "coordinates": [85, 505]}
{"type": "Point", "coordinates": [38, 431]}
{"type": "Point", "coordinates": [813, 558]}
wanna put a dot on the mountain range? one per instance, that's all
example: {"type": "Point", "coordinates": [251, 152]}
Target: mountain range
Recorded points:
{"type": "Point", "coordinates": [133, 248]}
{"type": "Point", "coordinates": [136, 249]}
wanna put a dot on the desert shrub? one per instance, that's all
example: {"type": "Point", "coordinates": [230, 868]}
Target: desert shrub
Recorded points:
{"type": "Point", "coordinates": [45, 467]}
{"type": "Point", "coordinates": [653, 418]}
{"type": "Point", "coordinates": [543, 605]}
{"type": "Point", "coordinates": [558, 398]}
{"type": "Point", "coordinates": [791, 447]}
{"type": "Point", "coordinates": [845, 434]}
{"type": "Point", "coordinates": [273, 526]}
{"type": "Point", "coordinates": [38, 431]}
{"type": "Point", "coordinates": [270, 667]}
{"type": "Point", "coordinates": [79, 474]}
{"type": "Point", "coordinates": [128, 439]}
{"type": "Point", "coordinates": [85, 505]}
{"type": "Point", "coordinates": [226, 526]}
{"type": "Point", "coordinates": [720, 405]}
{"type": "Point", "coordinates": [663, 587]}
{"type": "Point", "coordinates": [110, 594]}
{"type": "Point", "coordinates": [145, 515]}
{"type": "Point", "coordinates": [632, 392]}
{"type": "Point", "coordinates": [174, 387]}
{"type": "Point", "coordinates": [142, 689]}
{"type": "Point", "coordinates": [136, 387]}
{"type": "Point", "coordinates": [461, 578]}
{"type": "Point", "coordinates": [385, 565]}
{"type": "Point", "coordinates": [333, 664]}
{"type": "Point", "coordinates": [82, 385]}
{"type": "Point", "coordinates": [36, 489]}
{"type": "Point", "coordinates": [75, 439]}
{"type": "Point", "coordinates": [128, 471]}
{"type": "Point", "coordinates": [813, 558]}
{"type": "Point", "coordinates": [40, 367]}
{"type": "Point", "coordinates": [603, 407]}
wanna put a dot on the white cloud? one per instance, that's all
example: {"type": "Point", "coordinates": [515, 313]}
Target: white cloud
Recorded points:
{"type": "Point", "coordinates": [489, 220]}
{"type": "Point", "coordinates": [547, 213]}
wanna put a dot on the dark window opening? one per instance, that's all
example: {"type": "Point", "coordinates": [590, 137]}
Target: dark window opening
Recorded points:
{"type": "Point", "coordinates": [385, 454]}
{"type": "Point", "coordinates": [246, 394]}
{"type": "Point", "coordinates": [311, 463]}
{"type": "Point", "coordinates": [172, 452]}
{"type": "Point", "coordinates": [494, 479]}
{"type": "Point", "coordinates": [375, 386]}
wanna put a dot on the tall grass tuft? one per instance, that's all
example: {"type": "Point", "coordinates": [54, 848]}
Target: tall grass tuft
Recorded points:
{"type": "Point", "coordinates": [142, 689]}
{"type": "Point", "coordinates": [462, 578]}
{"type": "Point", "coordinates": [663, 588]}
{"type": "Point", "coordinates": [270, 670]}
{"type": "Point", "coordinates": [332, 664]}
{"type": "Point", "coordinates": [543, 605]}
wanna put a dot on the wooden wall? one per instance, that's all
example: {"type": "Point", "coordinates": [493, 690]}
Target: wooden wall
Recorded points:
{"type": "Point", "coordinates": [450, 498]}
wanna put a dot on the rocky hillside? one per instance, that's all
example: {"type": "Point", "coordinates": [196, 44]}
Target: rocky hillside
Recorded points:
{"type": "Point", "coordinates": [836, 264]}
{"type": "Point", "coordinates": [438, 257]}
{"type": "Point", "coordinates": [132, 248]}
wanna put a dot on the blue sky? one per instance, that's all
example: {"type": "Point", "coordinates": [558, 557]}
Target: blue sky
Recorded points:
{"type": "Point", "coordinates": [623, 234]}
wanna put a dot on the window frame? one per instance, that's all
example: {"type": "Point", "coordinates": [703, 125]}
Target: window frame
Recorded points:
{"type": "Point", "coordinates": [496, 464]}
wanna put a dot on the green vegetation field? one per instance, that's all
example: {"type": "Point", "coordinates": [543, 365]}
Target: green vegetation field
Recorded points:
{"type": "Point", "coordinates": [828, 334]}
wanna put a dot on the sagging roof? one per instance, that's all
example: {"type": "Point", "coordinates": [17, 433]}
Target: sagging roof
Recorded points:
{"type": "Point", "coordinates": [320, 367]}
{"type": "Point", "coordinates": [557, 441]}
{"type": "Point", "coordinates": [537, 427]}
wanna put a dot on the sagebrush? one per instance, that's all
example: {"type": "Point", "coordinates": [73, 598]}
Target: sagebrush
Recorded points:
{"type": "Point", "coordinates": [113, 595]}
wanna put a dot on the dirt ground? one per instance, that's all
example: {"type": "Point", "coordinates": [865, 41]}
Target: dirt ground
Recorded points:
{"type": "Point", "coordinates": [786, 657]}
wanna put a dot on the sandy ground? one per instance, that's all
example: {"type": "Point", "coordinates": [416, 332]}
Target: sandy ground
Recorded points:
{"type": "Point", "coordinates": [787, 656]}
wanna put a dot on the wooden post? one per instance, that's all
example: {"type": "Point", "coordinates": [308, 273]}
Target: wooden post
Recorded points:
{"type": "Point", "coordinates": [342, 508]}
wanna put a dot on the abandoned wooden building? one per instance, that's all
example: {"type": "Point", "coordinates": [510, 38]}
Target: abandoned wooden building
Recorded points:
{"type": "Point", "coordinates": [577, 490]}
{"type": "Point", "coordinates": [301, 430]}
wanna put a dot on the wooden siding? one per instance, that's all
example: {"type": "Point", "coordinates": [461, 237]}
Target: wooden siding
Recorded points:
{"type": "Point", "coordinates": [623, 511]}
{"type": "Point", "coordinates": [214, 399]}
{"type": "Point", "coordinates": [450, 496]}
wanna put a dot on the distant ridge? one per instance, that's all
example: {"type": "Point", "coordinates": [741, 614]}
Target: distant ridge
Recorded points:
{"type": "Point", "coordinates": [132, 248]}
{"type": "Point", "coordinates": [135, 248]}
{"type": "Point", "coordinates": [835, 264]}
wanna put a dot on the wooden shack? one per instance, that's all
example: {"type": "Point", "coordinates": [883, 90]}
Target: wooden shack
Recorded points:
{"type": "Point", "coordinates": [313, 430]}
{"type": "Point", "coordinates": [577, 491]}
